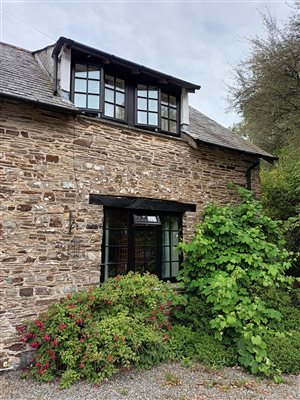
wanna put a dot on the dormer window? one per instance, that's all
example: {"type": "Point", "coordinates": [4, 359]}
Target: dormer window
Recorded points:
{"type": "Point", "coordinates": [111, 93]}
{"type": "Point", "coordinates": [114, 97]}
{"type": "Point", "coordinates": [87, 86]}
{"type": "Point", "coordinates": [169, 115]}
{"type": "Point", "coordinates": [147, 105]}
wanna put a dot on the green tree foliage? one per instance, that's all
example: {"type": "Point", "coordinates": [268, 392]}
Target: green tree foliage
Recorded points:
{"type": "Point", "coordinates": [281, 198]}
{"type": "Point", "coordinates": [266, 92]}
{"type": "Point", "coordinates": [266, 88]}
{"type": "Point", "coordinates": [238, 250]}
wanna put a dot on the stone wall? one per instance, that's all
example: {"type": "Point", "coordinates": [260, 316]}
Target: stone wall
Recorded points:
{"type": "Point", "coordinates": [49, 164]}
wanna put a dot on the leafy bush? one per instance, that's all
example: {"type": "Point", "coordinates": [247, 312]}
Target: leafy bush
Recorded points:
{"type": "Point", "coordinates": [284, 352]}
{"type": "Point", "coordinates": [199, 346]}
{"type": "Point", "coordinates": [236, 250]}
{"type": "Point", "coordinates": [94, 333]}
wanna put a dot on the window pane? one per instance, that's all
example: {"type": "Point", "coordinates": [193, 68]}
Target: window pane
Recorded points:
{"type": "Point", "coordinates": [120, 112]}
{"type": "Point", "coordinates": [164, 99]}
{"type": "Point", "coordinates": [173, 126]}
{"type": "Point", "coordinates": [153, 119]}
{"type": "Point", "coordinates": [142, 104]}
{"type": "Point", "coordinates": [80, 100]}
{"type": "Point", "coordinates": [142, 117]}
{"type": "Point", "coordinates": [172, 100]}
{"type": "Point", "coordinates": [93, 87]}
{"type": "Point", "coordinates": [94, 73]}
{"type": "Point", "coordinates": [80, 85]}
{"type": "Point", "coordinates": [109, 81]}
{"type": "Point", "coordinates": [80, 71]}
{"type": "Point", "coordinates": [164, 111]}
{"type": "Point", "coordinates": [175, 268]}
{"type": "Point", "coordinates": [120, 84]}
{"type": "Point", "coordinates": [93, 102]}
{"type": "Point", "coordinates": [109, 110]}
{"type": "Point", "coordinates": [142, 90]}
{"type": "Point", "coordinates": [120, 98]}
{"type": "Point", "coordinates": [174, 223]}
{"type": "Point", "coordinates": [164, 124]}
{"type": "Point", "coordinates": [116, 219]}
{"type": "Point", "coordinates": [109, 95]}
{"type": "Point", "coordinates": [165, 270]}
{"type": "Point", "coordinates": [153, 93]}
{"type": "Point", "coordinates": [152, 105]}
{"type": "Point", "coordinates": [173, 113]}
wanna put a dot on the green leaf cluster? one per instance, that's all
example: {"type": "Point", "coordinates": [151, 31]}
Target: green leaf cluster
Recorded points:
{"type": "Point", "coordinates": [236, 251]}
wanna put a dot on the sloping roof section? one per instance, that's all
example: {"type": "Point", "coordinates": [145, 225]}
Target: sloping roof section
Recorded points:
{"type": "Point", "coordinates": [22, 78]}
{"type": "Point", "coordinates": [204, 130]}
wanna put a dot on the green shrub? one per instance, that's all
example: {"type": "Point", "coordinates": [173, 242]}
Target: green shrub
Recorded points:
{"type": "Point", "coordinates": [284, 352]}
{"type": "Point", "coordinates": [200, 346]}
{"type": "Point", "coordinates": [236, 252]}
{"type": "Point", "coordinates": [94, 333]}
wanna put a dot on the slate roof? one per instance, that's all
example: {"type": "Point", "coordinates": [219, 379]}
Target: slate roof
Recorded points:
{"type": "Point", "coordinates": [21, 77]}
{"type": "Point", "coordinates": [205, 130]}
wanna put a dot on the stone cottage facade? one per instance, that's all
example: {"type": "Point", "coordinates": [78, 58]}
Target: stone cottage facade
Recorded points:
{"type": "Point", "coordinates": [103, 167]}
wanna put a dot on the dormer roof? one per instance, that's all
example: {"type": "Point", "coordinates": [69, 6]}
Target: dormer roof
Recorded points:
{"type": "Point", "coordinates": [128, 66]}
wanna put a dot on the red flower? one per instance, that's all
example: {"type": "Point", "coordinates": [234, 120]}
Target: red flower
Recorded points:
{"type": "Point", "coordinates": [20, 328]}
{"type": "Point", "coordinates": [37, 364]}
{"type": "Point", "coordinates": [69, 295]}
{"type": "Point", "coordinates": [110, 358]}
{"type": "Point", "coordinates": [62, 326]}
{"type": "Point", "coordinates": [109, 302]}
{"type": "Point", "coordinates": [118, 278]}
{"type": "Point", "coordinates": [168, 327]}
{"type": "Point", "coordinates": [116, 338]}
{"type": "Point", "coordinates": [81, 340]}
{"type": "Point", "coordinates": [47, 338]}
{"type": "Point", "coordinates": [38, 323]}
{"type": "Point", "coordinates": [53, 356]}
{"type": "Point", "coordinates": [118, 287]}
{"type": "Point", "coordinates": [34, 345]}
{"type": "Point", "coordinates": [54, 343]}
{"type": "Point", "coordinates": [46, 365]}
{"type": "Point", "coordinates": [91, 298]}
{"type": "Point", "coordinates": [72, 315]}
{"type": "Point", "coordinates": [79, 321]}
{"type": "Point", "coordinates": [81, 365]}
{"type": "Point", "coordinates": [162, 307]}
{"type": "Point", "coordinates": [72, 305]}
{"type": "Point", "coordinates": [41, 371]}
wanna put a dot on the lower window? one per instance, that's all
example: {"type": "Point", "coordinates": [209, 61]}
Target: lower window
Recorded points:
{"type": "Point", "coordinates": [141, 241]}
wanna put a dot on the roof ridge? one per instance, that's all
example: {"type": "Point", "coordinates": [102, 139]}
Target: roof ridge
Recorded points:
{"type": "Point", "coordinates": [15, 47]}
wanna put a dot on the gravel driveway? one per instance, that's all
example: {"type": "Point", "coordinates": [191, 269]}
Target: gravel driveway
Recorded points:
{"type": "Point", "coordinates": [165, 382]}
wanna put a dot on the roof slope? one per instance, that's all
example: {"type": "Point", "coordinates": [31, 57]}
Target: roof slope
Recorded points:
{"type": "Point", "coordinates": [22, 77]}
{"type": "Point", "coordinates": [203, 129]}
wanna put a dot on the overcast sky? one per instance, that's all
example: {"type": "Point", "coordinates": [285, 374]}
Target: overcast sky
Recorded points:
{"type": "Point", "coordinates": [197, 41]}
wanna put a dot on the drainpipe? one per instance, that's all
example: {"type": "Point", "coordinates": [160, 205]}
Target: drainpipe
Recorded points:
{"type": "Point", "coordinates": [249, 174]}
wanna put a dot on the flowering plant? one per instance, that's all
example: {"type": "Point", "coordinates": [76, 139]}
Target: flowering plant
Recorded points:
{"type": "Point", "coordinates": [94, 333]}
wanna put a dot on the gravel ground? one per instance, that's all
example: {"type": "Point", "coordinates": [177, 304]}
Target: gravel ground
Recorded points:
{"type": "Point", "coordinates": [165, 382]}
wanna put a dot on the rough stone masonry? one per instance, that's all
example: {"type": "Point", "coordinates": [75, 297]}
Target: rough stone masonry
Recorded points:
{"type": "Point", "coordinates": [49, 164]}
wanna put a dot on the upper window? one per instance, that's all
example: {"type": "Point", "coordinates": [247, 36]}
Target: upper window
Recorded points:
{"type": "Point", "coordinates": [114, 97]}
{"type": "Point", "coordinates": [101, 89]}
{"type": "Point", "coordinates": [168, 113]}
{"type": "Point", "coordinates": [87, 86]}
{"type": "Point", "coordinates": [147, 105]}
